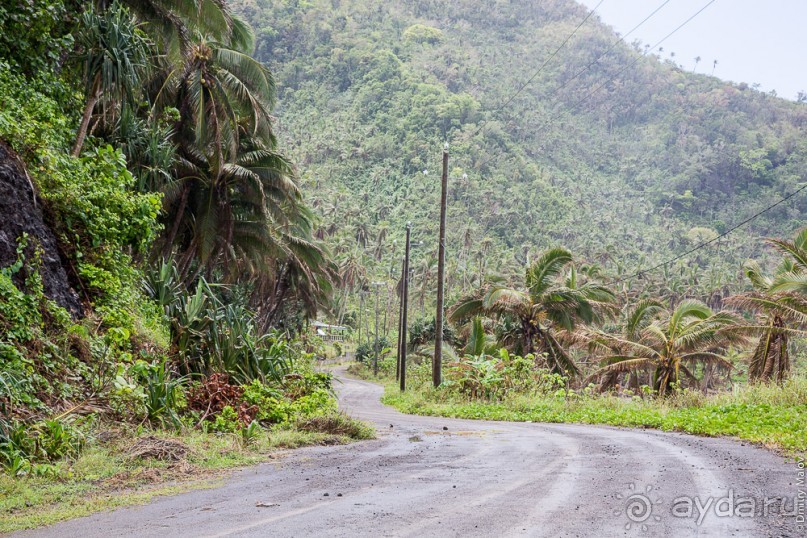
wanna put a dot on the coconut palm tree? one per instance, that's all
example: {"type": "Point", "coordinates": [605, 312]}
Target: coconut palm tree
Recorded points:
{"type": "Point", "coordinates": [635, 319]}
{"type": "Point", "coordinates": [781, 300]}
{"type": "Point", "coordinates": [302, 274]}
{"type": "Point", "coordinates": [545, 310]}
{"type": "Point", "coordinates": [174, 23]}
{"type": "Point", "coordinates": [667, 343]}
{"type": "Point", "coordinates": [222, 94]}
{"type": "Point", "coordinates": [232, 211]}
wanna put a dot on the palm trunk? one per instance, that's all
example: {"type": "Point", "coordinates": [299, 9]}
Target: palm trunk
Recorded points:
{"type": "Point", "coordinates": [92, 100]}
{"type": "Point", "coordinates": [278, 296]}
{"type": "Point", "coordinates": [529, 337]}
{"type": "Point", "coordinates": [184, 265]}
{"type": "Point", "coordinates": [172, 235]}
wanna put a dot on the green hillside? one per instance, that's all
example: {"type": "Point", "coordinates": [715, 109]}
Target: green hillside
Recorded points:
{"type": "Point", "coordinates": [631, 162]}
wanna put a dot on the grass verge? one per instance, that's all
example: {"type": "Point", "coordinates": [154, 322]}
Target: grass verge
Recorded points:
{"type": "Point", "coordinates": [769, 415]}
{"type": "Point", "coordinates": [127, 468]}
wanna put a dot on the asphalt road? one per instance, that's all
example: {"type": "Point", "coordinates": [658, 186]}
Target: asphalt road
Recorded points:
{"type": "Point", "coordinates": [443, 477]}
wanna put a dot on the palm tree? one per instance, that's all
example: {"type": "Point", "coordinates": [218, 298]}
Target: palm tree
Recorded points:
{"type": "Point", "coordinates": [115, 53]}
{"type": "Point", "coordinates": [544, 310]}
{"type": "Point", "coordinates": [173, 23]}
{"type": "Point", "coordinates": [231, 183]}
{"type": "Point", "coordinates": [302, 274]}
{"type": "Point", "coordinates": [231, 212]}
{"type": "Point", "coordinates": [669, 344]}
{"type": "Point", "coordinates": [782, 302]}
{"type": "Point", "coordinates": [634, 320]}
{"type": "Point", "coordinates": [221, 93]}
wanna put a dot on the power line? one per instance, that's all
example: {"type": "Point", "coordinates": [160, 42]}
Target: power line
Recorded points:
{"type": "Point", "coordinates": [592, 92]}
{"type": "Point", "coordinates": [608, 50]}
{"type": "Point", "coordinates": [709, 242]}
{"type": "Point", "coordinates": [639, 57]}
{"type": "Point", "coordinates": [543, 65]}
{"type": "Point", "coordinates": [626, 67]}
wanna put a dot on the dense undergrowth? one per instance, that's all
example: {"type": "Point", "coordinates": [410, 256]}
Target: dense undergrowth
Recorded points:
{"type": "Point", "coordinates": [179, 365]}
{"type": "Point", "coordinates": [510, 389]}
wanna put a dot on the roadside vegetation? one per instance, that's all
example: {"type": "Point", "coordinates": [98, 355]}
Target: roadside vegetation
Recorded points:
{"type": "Point", "coordinates": [511, 389]}
{"type": "Point", "coordinates": [563, 349]}
{"type": "Point", "coordinates": [146, 134]}
{"type": "Point", "coordinates": [121, 465]}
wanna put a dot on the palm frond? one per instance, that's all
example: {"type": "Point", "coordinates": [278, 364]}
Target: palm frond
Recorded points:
{"type": "Point", "coordinates": [545, 269]}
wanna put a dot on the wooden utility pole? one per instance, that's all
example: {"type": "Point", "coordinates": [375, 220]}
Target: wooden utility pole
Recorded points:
{"type": "Point", "coordinates": [400, 321]}
{"type": "Point", "coordinates": [375, 339]}
{"type": "Point", "coordinates": [405, 306]}
{"type": "Point", "coordinates": [386, 308]}
{"type": "Point", "coordinates": [361, 310]}
{"type": "Point", "coordinates": [437, 361]}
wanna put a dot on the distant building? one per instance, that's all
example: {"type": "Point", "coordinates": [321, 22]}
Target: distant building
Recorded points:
{"type": "Point", "coordinates": [329, 333]}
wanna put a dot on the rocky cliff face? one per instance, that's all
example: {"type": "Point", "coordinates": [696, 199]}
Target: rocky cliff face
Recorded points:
{"type": "Point", "coordinates": [20, 213]}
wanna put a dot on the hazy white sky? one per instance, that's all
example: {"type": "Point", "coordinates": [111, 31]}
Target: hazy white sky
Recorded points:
{"type": "Point", "coordinates": [753, 41]}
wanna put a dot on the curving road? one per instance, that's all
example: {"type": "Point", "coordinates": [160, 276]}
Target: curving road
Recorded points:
{"type": "Point", "coordinates": [428, 476]}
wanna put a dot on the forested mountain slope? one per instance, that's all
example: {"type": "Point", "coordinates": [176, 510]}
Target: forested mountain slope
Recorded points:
{"type": "Point", "coordinates": [633, 161]}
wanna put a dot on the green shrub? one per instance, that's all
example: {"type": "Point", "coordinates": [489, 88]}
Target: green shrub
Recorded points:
{"type": "Point", "coordinates": [58, 439]}
{"type": "Point", "coordinates": [29, 347]}
{"type": "Point", "coordinates": [31, 119]}
{"type": "Point", "coordinates": [226, 421]}
{"type": "Point", "coordinates": [270, 402]}
{"type": "Point", "coordinates": [23, 446]}
{"type": "Point", "coordinates": [304, 395]}
{"type": "Point", "coordinates": [101, 219]}
{"type": "Point", "coordinates": [163, 392]}
{"type": "Point", "coordinates": [487, 377]}
{"type": "Point", "coordinates": [213, 331]}
{"type": "Point", "coordinates": [35, 33]}
{"type": "Point", "coordinates": [98, 217]}
{"type": "Point", "coordinates": [366, 351]}
{"type": "Point", "coordinates": [318, 402]}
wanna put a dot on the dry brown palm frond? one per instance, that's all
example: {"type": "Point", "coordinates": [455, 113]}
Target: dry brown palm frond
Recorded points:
{"type": "Point", "coordinates": [791, 307]}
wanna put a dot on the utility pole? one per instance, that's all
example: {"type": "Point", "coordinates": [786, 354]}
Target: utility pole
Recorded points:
{"type": "Point", "coordinates": [375, 339]}
{"type": "Point", "coordinates": [400, 321]}
{"type": "Point", "coordinates": [405, 306]}
{"type": "Point", "coordinates": [361, 310]}
{"type": "Point", "coordinates": [437, 361]}
{"type": "Point", "coordinates": [386, 311]}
